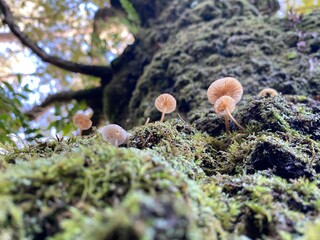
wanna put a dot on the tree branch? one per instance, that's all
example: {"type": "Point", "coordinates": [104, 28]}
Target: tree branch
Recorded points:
{"type": "Point", "coordinates": [97, 71]}
{"type": "Point", "coordinates": [64, 96]}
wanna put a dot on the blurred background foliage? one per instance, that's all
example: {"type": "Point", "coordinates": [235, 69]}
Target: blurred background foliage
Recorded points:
{"type": "Point", "coordinates": [12, 120]}
{"type": "Point", "coordinates": [65, 28]}
{"type": "Point", "coordinates": [304, 6]}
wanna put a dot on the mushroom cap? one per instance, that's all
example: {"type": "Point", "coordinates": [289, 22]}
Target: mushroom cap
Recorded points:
{"type": "Point", "coordinates": [223, 103]}
{"type": "Point", "coordinates": [165, 103]}
{"type": "Point", "coordinates": [82, 121]}
{"type": "Point", "coordinates": [267, 92]}
{"type": "Point", "coordinates": [114, 134]}
{"type": "Point", "coordinates": [225, 87]}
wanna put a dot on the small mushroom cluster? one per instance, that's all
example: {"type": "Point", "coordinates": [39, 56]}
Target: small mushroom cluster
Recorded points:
{"type": "Point", "coordinates": [224, 94]}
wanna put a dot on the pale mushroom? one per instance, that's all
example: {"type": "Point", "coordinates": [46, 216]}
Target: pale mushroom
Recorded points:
{"type": "Point", "coordinates": [114, 134]}
{"type": "Point", "coordinates": [165, 103]}
{"type": "Point", "coordinates": [225, 87]}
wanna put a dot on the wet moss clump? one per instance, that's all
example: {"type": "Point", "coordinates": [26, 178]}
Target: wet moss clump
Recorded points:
{"type": "Point", "coordinates": [103, 192]}
{"type": "Point", "coordinates": [179, 142]}
{"type": "Point", "coordinates": [294, 114]}
{"type": "Point", "coordinates": [266, 206]}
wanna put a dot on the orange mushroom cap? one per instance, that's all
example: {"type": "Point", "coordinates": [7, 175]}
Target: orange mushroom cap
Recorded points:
{"type": "Point", "coordinates": [223, 103]}
{"type": "Point", "coordinates": [166, 103]}
{"type": "Point", "coordinates": [114, 134]}
{"type": "Point", "coordinates": [267, 92]}
{"type": "Point", "coordinates": [82, 121]}
{"type": "Point", "coordinates": [225, 87]}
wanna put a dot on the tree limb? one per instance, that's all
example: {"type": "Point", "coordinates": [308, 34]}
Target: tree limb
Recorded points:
{"type": "Point", "coordinates": [64, 96]}
{"type": "Point", "coordinates": [97, 71]}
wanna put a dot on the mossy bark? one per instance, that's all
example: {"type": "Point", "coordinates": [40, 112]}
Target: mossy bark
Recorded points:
{"type": "Point", "coordinates": [185, 45]}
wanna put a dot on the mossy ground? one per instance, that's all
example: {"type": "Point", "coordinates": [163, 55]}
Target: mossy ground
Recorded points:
{"type": "Point", "coordinates": [171, 181]}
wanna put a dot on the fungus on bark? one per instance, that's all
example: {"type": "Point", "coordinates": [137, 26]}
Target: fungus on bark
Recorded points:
{"type": "Point", "coordinates": [224, 106]}
{"type": "Point", "coordinates": [82, 122]}
{"type": "Point", "coordinates": [267, 92]}
{"type": "Point", "coordinates": [227, 86]}
{"type": "Point", "coordinates": [114, 134]}
{"type": "Point", "coordinates": [165, 103]}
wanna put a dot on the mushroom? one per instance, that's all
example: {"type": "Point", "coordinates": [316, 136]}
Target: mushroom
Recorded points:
{"type": "Point", "coordinates": [165, 103]}
{"type": "Point", "coordinates": [114, 134]}
{"type": "Point", "coordinates": [225, 87]}
{"type": "Point", "coordinates": [224, 94]}
{"type": "Point", "coordinates": [224, 106]}
{"type": "Point", "coordinates": [82, 122]}
{"type": "Point", "coordinates": [267, 92]}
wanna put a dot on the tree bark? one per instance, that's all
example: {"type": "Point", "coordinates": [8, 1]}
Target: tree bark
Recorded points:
{"type": "Point", "coordinates": [190, 44]}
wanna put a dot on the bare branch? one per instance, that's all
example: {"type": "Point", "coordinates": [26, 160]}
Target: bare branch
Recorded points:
{"type": "Point", "coordinates": [64, 96]}
{"type": "Point", "coordinates": [91, 70]}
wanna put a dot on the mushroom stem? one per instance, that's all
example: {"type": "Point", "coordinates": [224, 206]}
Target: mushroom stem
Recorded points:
{"type": "Point", "coordinates": [116, 143]}
{"type": "Point", "coordinates": [162, 115]}
{"type": "Point", "coordinates": [80, 132]}
{"type": "Point", "coordinates": [226, 119]}
{"type": "Point", "coordinates": [147, 121]}
{"type": "Point", "coordinates": [232, 118]}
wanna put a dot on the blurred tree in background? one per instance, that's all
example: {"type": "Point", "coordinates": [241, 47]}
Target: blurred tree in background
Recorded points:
{"type": "Point", "coordinates": [304, 6]}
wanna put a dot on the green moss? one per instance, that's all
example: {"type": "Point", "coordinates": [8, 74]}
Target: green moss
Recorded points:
{"type": "Point", "coordinates": [270, 205]}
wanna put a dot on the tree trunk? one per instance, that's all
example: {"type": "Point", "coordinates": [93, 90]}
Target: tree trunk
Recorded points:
{"type": "Point", "coordinates": [183, 46]}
